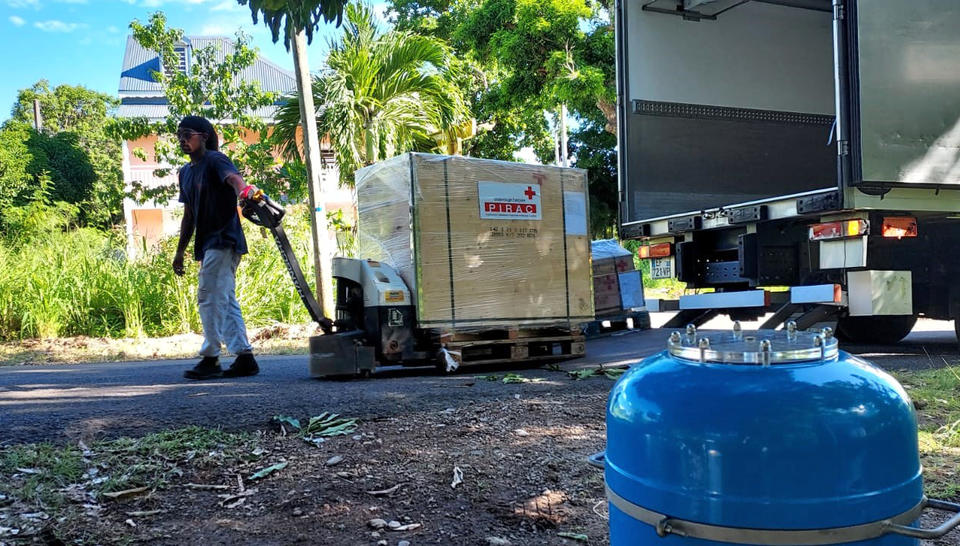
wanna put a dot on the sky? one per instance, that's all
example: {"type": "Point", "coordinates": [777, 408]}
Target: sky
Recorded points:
{"type": "Point", "coordinates": [81, 42]}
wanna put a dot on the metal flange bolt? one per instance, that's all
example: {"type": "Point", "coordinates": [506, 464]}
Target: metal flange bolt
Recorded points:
{"type": "Point", "coordinates": [791, 330]}
{"type": "Point", "coordinates": [675, 337]}
{"type": "Point", "coordinates": [766, 350]}
{"type": "Point", "coordinates": [704, 346]}
{"type": "Point", "coordinates": [691, 333]}
{"type": "Point", "coordinates": [737, 331]}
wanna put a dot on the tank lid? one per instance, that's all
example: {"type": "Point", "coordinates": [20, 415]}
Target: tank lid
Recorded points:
{"type": "Point", "coordinates": [761, 347]}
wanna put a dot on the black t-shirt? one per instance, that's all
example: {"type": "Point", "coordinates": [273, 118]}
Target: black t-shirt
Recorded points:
{"type": "Point", "coordinates": [204, 189]}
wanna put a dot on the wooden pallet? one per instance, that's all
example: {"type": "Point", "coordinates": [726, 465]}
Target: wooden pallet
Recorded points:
{"type": "Point", "coordinates": [517, 349]}
{"type": "Point", "coordinates": [507, 333]}
{"type": "Point", "coordinates": [617, 323]}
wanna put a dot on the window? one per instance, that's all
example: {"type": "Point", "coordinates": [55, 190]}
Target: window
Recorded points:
{"type": "Point", "coordinates": [181, 61]}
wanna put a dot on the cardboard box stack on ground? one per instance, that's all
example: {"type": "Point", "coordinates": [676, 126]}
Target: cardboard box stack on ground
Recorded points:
{"type": "Point", "coordinates": [480, 243]}
{"type": "Point", "coordinates": [617, 285]}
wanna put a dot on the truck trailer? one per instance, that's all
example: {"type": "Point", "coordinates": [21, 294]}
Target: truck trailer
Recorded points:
{"type": "Point", "coordinates": [810, 145]}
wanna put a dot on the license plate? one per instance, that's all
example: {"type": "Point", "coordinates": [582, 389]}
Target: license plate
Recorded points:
{"type": "Point", "coordinates": [557, 349]}
{"type": "Point", "coordinates": [661, 268]}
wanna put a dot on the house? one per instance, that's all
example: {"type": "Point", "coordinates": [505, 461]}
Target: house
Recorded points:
{"type": "Point", "coordinates": [141, 96]}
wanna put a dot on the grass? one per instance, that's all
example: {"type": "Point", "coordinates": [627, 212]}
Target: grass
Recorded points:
{"type": "Point", "coordinates": [40, 470]}
{"type": "Point", "coordinates": [154, 460]}
{"type": "Point", "coordinates": [43, 469]}
{"type": "Point", "coordinates": [77, 281]}
{"type": "Point", "coordinates": [937, 394]}
{"type": "Point", "coordinates": [61, 482]}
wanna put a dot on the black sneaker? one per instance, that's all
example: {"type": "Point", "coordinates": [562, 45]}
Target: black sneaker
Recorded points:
{"type": "Point", "coordinates": [244, 366]}
{"type": "Point", "coordinates": [208, 368]}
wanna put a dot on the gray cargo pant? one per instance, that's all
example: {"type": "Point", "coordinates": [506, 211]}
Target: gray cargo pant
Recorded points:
{"type": "Point", "coordinates": [217, 299]}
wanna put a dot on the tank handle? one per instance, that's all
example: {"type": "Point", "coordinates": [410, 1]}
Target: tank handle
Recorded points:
{"type": "Point", "coordinates": [930, 534]}
{"type": "Point", "coordinates": [597, 460]}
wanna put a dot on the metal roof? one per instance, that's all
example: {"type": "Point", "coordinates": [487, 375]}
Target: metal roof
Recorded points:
{"type": "Point", "coordinates": [159, 112]}
{"type": "Point", "coordinates": [139, 63]}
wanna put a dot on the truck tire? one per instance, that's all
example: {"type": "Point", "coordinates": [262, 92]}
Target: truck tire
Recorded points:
{"type": "Point", "coordinates": [875, 330]}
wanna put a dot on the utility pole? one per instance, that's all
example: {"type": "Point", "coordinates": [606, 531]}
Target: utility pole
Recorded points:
{"type": "Point", "coordinates": [311, 150]}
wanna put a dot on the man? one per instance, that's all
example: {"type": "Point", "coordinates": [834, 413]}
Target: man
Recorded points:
{"type": "Point", "coordinates": [209, 186]}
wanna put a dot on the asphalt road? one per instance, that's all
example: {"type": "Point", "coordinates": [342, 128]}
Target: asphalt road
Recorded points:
{"type": "Point", "coordinates": [61, 403]}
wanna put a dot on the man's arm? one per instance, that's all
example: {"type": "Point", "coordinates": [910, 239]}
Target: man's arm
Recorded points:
{"type": "Point", "coordinates": [187, 225]}
{"type": "Point", "coordinates": [236, 182]}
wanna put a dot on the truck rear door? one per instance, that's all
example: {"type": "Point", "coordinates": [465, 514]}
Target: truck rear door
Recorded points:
{"type": "Point", "coordinates": [904, 76]}
{"type": "Point", "coordinates": [722, 102]}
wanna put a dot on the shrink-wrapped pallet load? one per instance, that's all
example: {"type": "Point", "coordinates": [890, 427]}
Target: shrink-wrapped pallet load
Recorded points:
{"type": "Point", "coordinates": [480, 243]}
{"type": "Point", "coordinates": [617, 285]}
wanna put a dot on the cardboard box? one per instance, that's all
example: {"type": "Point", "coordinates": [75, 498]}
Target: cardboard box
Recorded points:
{"type": "Point", "coordinates": [480, 242]}
{"type": "Point", "coordinates": [625, 263]}
{"type": "Point", "coordinates": [616, 282]}
{"type": "Point", "coordinates": [604, 266]}
{"type": "Point", "coordinates": [607, 304]}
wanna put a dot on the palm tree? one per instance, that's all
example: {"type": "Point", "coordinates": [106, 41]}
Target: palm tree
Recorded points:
{"type": "Point", "coordinates": [382, 93]}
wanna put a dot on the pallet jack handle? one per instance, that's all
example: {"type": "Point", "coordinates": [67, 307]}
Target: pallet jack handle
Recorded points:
{"type": "Point", "coordinates": [259, 209]}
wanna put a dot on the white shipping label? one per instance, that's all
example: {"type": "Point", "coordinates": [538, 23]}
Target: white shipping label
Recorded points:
{"type": "Point", "coordinates": [575, 212]}
{"type": "Point", "coordinates": [509, 201]}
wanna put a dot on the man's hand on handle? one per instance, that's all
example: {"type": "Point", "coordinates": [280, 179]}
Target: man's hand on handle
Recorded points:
{"type": "Point", "coordinates": [178, 264]}
{"type": "Point", "coordinates": [251, 192]}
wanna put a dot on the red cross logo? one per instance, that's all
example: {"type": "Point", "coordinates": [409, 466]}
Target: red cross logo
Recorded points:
{"type": "Point", "coordinates": [530, 193]}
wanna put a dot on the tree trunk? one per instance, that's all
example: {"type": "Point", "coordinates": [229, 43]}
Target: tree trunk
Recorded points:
{"type": "Point", "coordinates": [610, 112]}
{"type": "Point", "coordinates": [369, 149]}
{"type": "Point", "coordinates": [322, 257]}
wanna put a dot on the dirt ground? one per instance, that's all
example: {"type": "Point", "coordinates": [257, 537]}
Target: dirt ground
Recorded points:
{"type": "Point", "coordinates": [509, 472]}
{"type": "Point", "coordinates": [522, 463]}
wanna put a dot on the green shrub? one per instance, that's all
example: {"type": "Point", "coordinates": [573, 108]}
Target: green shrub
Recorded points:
{"type": "Point", "coordinates": [56, 280]}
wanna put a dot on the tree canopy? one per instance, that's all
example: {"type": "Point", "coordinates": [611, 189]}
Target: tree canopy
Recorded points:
{"type": "Point", "coordinates": [73, 151]}
{"type": "Point", "coordinates": [534, 55]}
{"type": "Point", "coordinates": [210, 88]}
{"type": "Point", "coordinates": [383, 93]}
{"type": "Point", "coordinates": [294, 15]}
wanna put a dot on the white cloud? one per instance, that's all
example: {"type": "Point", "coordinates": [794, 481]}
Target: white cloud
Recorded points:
{"type": "Point", "coordinates": [24, 3]}
{"type": "Point", "coordinates": [113, 30]}
{"type": "Point", "coordinates": [380, 10]}
{"type": "Point", "coordinates": [161, 3]}
{"type": "Point", "coordinates": [225, 18]}
{"type": "Point", "coordinates": [229, 5]}
{"type": "Point", "coordinates": [72, 1]}
{"type": "Point", "coordinates": [17, 21]}
{"type": "Point", "coordinates": [56, 26]}
{"type": "Point", "coordinates": [215, 29]}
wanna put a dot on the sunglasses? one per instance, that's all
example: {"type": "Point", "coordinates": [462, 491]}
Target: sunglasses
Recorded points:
{"type": "Point", "coordinates": [187, 134]}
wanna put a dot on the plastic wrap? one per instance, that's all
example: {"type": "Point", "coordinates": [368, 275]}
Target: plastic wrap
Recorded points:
{"type": "Point", "coordinates": [604, 249]}
{"type": "Point", "coordinates": [617, 284]}
{"type": "Point", "coordinates": [480, 243]}
{"type": "Point", "coordinates": [384, 226]}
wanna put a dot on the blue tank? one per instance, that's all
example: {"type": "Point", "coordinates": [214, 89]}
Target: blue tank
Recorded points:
{"type": "Point", "coordinates": [767, 437]}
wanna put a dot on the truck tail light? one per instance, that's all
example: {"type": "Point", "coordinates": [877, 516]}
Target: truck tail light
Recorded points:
{"type": "Point", "coordinates": [661, 250]}
{"type": "Point", "coordinates": [839, 230]}
{"type": "Point", "coordinates": [898, 227]}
